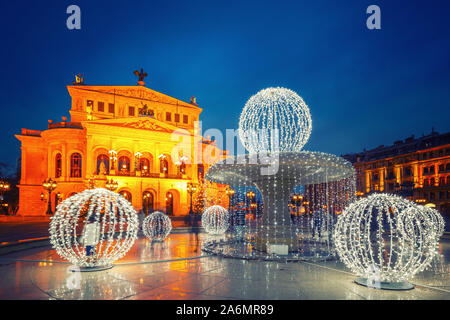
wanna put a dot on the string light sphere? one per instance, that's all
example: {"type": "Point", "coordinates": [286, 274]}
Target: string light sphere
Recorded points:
{"type": "Point", "coordinates": [275, 120]}
{"type": "Point", "coordinates": [385, 239]}
{"type": "Point", "coordinates": [215, 220]}
{"type": "Point", "coordinates": [94, 228]}
{"type": "Point", "coordinates": [157, 226]}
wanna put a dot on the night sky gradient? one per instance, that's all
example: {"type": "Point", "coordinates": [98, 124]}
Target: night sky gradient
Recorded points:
{"type": "Point", "coordinates": [364, 87]}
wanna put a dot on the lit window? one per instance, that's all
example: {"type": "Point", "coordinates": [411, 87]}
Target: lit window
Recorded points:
{"type": "Point", "coordinates": [75, 165]}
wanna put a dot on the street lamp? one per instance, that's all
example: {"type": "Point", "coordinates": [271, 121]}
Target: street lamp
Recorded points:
{"type": "Point", "coordinates": [49, 185]}
{"type": "Point", "coordinates": [191, 189]}
{"type": "Point", "coordinates": [251, 196]}
{"type": "Point", "coordinates": [111, 185]}
{"type": "Point", "coordinates": [4, 187]}
{"type": "Point", "coordinates": [297, 201]}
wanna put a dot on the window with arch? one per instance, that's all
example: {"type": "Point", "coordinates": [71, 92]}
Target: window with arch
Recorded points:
{"type": "Point", "coordinates": [145, 166]}
{"type": "Point", "coordinates": [164, 165]}
{"type": "Point", "coordinates": [169, 203]}
{"type": "Point", "coordinates": [102, 164]}
{"type": "Point", "coordinates": [58, 165]}
{"type": "Point", "coordinates": [147, 202]}
{"type": "Point", "coordinates": [126, 194]}
{"type": "Point", "coordinates": [124, 165]}
{"type": "Point", "coordinates": [75, 165]}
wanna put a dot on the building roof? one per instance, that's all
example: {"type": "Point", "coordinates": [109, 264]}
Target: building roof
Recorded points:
{"type": "Point", "coordinates": [408, 145]}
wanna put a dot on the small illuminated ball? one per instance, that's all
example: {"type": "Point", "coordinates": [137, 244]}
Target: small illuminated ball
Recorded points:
{"type": "Point", "coordinates": [385, 238]}
{"type": "Point", "coordinates": [93, 228]}
{"type": "Point", "coordinates": [275, 120]}
{"type": "Point", "coordinates": [157, 226]}
{"type": "Point", "coordinates": [215, 220]}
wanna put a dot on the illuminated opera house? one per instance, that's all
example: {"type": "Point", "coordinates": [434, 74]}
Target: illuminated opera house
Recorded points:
{"type": "Point", "coordinates": [146, 144]}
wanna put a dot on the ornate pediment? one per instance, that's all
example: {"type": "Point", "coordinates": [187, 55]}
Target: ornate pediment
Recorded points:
{"type": "Point", "coordinates": [141, 123]}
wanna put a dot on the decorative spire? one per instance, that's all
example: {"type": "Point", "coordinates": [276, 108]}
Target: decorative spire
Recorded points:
{"type": "Point", "coordinates": [141, 76]}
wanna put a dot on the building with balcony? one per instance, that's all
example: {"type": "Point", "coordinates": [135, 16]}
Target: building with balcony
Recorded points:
{"type": "Point", "coordinates": [147, 142]}
{"type": "Point", "coordinates": [416, 168]}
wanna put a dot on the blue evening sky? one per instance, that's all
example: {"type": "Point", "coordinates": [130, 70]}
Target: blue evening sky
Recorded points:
{"type": "Point", "coordinates": [364, 87]}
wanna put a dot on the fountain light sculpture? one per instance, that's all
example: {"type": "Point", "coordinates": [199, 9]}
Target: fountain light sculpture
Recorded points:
{"type": "Point", "coordinates": [274, 125]}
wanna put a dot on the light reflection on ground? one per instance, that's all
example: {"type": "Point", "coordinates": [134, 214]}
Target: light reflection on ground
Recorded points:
{"type": "Point", "coordinates": [185, 272]}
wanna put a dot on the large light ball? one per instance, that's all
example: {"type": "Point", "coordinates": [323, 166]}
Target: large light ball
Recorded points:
{"type": "Point", "coordinates": [94, 228]}
{"type": "Point", "coordinates": [157, 226]}
{"type": "Point", "coordinates": [275, 120]}
{"type": "Point", "coordinates": [385, 238]}
{"type": "Point", "coordinates": [215, 220]}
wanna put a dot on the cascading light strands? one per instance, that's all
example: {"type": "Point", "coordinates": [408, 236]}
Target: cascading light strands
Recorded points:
{"type": "Point", "coordinates": [436, 218]}
{"type": "Point", "coordinates": [157, 226]}
{"type": "Point", "coordinates": [385, 239]}
{"type": "Point", "coordinates": [215, 220]}
{"type": "Point", "coordinates": [94, 228]}
{"type": "Point", "coordinates": [275, 120]}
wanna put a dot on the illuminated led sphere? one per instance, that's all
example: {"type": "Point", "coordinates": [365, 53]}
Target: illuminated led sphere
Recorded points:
{"type": "Point", "coordinates": [94, 228]}
{"type": "Point", "coordinates": [436, 219]}
{"type": "Point", "coordinates": [215, 220]}
{"type": "Point", "coordinates": [385, 238]}
{"type": "Point", "coordinates": [275, 120]}
{"type": "Point", "coordinates": [157, 226]}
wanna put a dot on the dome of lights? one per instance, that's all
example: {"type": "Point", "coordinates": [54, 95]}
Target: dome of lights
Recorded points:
{"type": "Point", "coordinates": [106, 222]}
{"type": "Point", "coordinates": [157, 226]}
{"type": "Point", "coordinates": [275, 120]}
{"type": "Point", "coordinates": [215, 220]}
{"type": "Point", "coordinates": [385, 238]}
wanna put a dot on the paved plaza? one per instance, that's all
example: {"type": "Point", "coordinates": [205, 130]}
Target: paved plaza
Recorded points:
{"type": "Point", "coordinates": [178, 269]}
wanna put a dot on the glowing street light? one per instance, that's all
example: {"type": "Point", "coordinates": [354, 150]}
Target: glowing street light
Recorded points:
{"type": "Point", "coordinates": [49, 185]}
{"type": "Point", "coordinates": [111, 185]}
{"type": "Point", "coordinates": [191, 189]}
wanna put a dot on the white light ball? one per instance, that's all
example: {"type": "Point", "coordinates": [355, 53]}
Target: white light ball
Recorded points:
{"type": "Point", "coordinates": [215, 220]}
{"type": "Point", "coordinates": [157, 226]}
{"type": "Point", "coordinates": [97, 221]}
{"type": "Point", "coordinates": [384, 236]}
{"type": "Point", "coordinates": [273, 109]}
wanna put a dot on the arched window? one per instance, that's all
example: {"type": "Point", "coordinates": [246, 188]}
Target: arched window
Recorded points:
{"type": "Point", "coordinates": [126, 195]}
{"type": "Point", "coordinates": [124, 165]}
{"type": "Point", "coordinates": [145, 167]}
{"type": "Point", "coordinates": [75, 165]}
{"type": "Point", "coordinates": [147, 202]}
{"type": "Point", "coordinates": [169, 203]}
{"type": "Point", "coordinates": [164, 166]}
{"type": "Point", "coordinates": [103, 164]}
{"type": "Point", "coordinates": [58, 166]}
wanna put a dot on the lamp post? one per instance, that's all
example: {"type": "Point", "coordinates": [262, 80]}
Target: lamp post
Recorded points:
{"type": "Point", "coordinates": [251, 196]}
{"type": "Point", "coordinates": [191, 189]}
{"type": "Point", "coordinates": [111, 185]}
{"type": "Point", "coordinates": [49, 185]}
{"type": "Point", "coordinates": [4, 187]}
{"type": "Point", "coordinates": [297, 200]}
{"type": "Point", "coordinates": [230, 193]}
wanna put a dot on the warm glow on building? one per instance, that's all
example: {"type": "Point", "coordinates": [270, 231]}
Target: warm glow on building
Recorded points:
{"type": "Point", "coordinates": [119, 134]}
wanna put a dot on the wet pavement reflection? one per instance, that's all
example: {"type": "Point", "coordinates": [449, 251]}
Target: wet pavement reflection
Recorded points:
{"type": "Point", "coordinates": [178, 269]}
